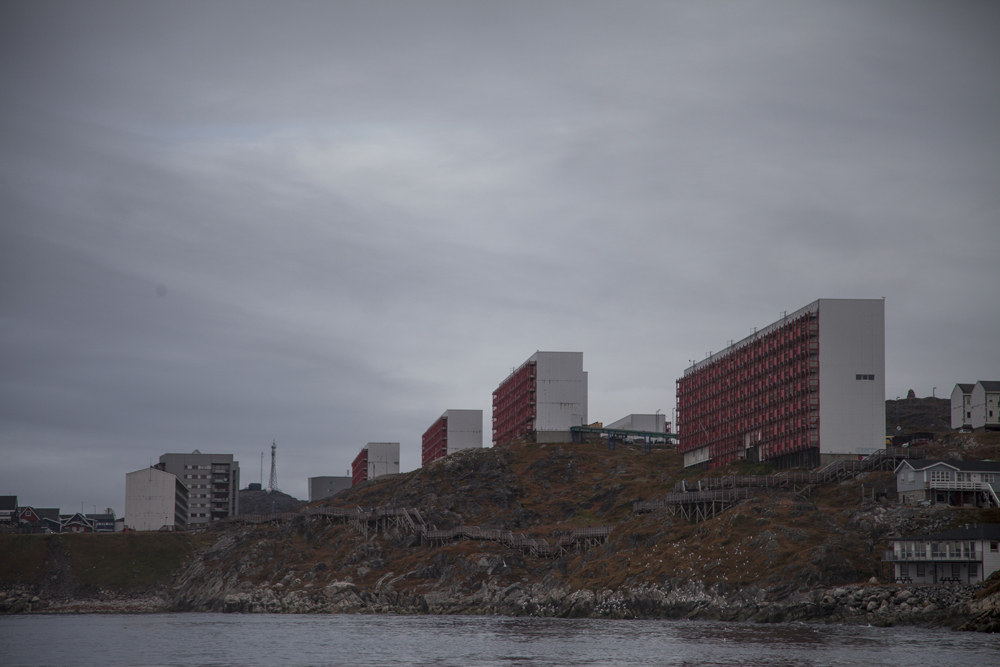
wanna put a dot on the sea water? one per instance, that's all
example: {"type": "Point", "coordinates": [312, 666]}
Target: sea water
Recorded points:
{"type": "Point", "coordinates": [300, 640]}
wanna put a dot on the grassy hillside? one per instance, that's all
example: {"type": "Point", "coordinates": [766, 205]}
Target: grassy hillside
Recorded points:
{"type": "Point", "coordinates": [74, 563]}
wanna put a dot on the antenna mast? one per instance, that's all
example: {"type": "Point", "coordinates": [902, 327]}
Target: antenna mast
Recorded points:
{"type": "Point", "coordinates": [273, 484]}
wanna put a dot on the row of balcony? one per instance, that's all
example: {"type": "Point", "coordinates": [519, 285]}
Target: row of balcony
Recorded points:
{"type": "Point", "coordinates": [965, 557]}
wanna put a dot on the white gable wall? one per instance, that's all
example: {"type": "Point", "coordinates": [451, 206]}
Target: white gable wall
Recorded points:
{"type": "Point", "coordinates": [851, 343]}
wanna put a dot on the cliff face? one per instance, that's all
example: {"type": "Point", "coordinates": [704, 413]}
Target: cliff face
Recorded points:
{"type": "Point", "coordinates": [777, 556]}
{"type": "Point", "coordinates": [785, 554]}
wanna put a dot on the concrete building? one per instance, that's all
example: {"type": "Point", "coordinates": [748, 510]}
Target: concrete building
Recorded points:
{"type": "Point", "coordinates": [324, 487]}
{"type": "Point", "coordinates": [966, 555]}
{"type": "Point", "coordinates": [958, 483]}
{"type": "Point", "coordinates": [454, 430]}
{"type": "Point", "coordinates": [961, 409]}
{"type": "Point", "coordinates": [374, 460]}
{"type": "Point", "coordinates": [806, 390]}
{"type": "Point", "coordinates": [655, 423]}
{"type": "Point", "coordinates": [542, 399]}
{"type": "Point", "coordinates": [213, 481]}
{"type": "Point", "coordinates": [154, 499]}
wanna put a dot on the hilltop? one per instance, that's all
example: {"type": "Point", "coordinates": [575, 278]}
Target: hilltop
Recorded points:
{"type": "Point", "coordinates": [783, 555]}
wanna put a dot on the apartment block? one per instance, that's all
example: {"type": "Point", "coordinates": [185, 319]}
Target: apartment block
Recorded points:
{"type": "Point", "coordinates": [542, 399]}
{"type": "Point", "coordinates": [453, 431]}
{"type": "Point", "coordinates": [374, 460]}
{"type": "Point", "coordinates": [213, 481]}
{"type": "Point", "coordinates": [155, 500]}
{"type": "Point", "coordinates": [803, 391]}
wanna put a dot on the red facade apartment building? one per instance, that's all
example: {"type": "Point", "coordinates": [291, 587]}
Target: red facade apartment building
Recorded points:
{"type": "Point", "coordinates": [805, 390]}
{"type": "Point", "coordinates": [542, 399]}
{"type": "Point", "coordinates": [454, 430]}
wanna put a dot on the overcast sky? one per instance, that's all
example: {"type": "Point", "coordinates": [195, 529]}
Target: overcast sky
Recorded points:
{"type": "Point", "coordinates": [323, 224]}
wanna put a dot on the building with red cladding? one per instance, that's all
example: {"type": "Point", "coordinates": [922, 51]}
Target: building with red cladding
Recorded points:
{"type": "Point", "coordinates": [374, 460]}
{"type": "Point", "coordinates": [806, 390]}
{"type": "Point", "coordinates": [542, 399]}
{"type": "Point", "coordinates": [453, 431]}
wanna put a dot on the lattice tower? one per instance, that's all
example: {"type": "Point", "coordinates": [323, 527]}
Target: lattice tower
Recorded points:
{"type": "Point", "coordinates": [273, 484]}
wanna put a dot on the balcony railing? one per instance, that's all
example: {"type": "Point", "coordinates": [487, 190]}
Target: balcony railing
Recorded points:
{"type": "Point", "coordinates": [940, 485]}
{"type": "Point", "coordinates": [892, 556]}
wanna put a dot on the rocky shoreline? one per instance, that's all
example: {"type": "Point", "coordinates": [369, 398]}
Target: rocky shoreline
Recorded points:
{"type": "Point", "coordinates": [870, 604]}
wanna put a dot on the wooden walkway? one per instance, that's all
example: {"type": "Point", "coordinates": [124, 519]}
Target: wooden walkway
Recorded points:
{"type": "Point", "coordinates": [882, 459]}
{"type": "Point", "coordinates": [695, 505]}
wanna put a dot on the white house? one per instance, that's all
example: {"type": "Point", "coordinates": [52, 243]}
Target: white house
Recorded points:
{"type": "Point", "coordinates": [960, 483]}
{"type": "Point", "coordinates": [965, 555]}
{"type": "Point", "coordinates": [961, 413]}
{"type": "Point", "coordinates": [976, 406]}
{"type": "Point", "coordinates": [985, 406]}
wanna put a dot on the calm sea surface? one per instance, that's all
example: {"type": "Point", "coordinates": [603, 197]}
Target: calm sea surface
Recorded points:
{"type": "Point", "coordinates": [462, 641]}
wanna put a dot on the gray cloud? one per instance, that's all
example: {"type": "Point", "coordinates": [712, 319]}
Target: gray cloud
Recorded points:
{"type": "Point", "coordinates": [224, 224]}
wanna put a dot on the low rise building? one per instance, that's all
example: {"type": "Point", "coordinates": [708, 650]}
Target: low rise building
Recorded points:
{"type": "Point", "coordinates": [324, 487]}
{"type": "Point", "coordinates": [965, 555]}
{"type": "Point", "coordinates": [76, 523]}
{"type": "Point", "coordinates": [453, 431]}
{"type": "Point", "coordinates": [8, 510]}
{"type": "Point", "coordinates": [655, 423]}
{"type": "Point", "coordinates": [374, 460]}
{"type": "Point", "coordinates": [40, 519]}
{"type": "Point", "coordinates": [155, 500]}
{"type": "Point", "coordinates": [958, 483]}
{"type": "Point", "coordinates": [976, 406]}
{"type": "Point", "coordinates": [103, 522]}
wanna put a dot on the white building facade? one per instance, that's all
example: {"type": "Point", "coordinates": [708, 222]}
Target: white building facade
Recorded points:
{"type": "Point", "coordinates": [155, 500]}
{"type": "Point", "coordinates": [374, 460]}
{"type": "Point", "coordinates": [961, 406]}
{"type": "Point", "coordinates": [543, 399]}
{"type": "Point", "coordinates": [966, 555]}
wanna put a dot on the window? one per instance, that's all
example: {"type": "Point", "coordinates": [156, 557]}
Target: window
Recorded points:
{"type": "Point", "coordinates": [963, 477]}
{"type": "Point", "coordinates": [904, 569]}
{"type": "Point", "coordinates": [920, 570]}
{"type": "Point", "coordinates": [864, 377]}
{"type": "Point", "coordinates": [973, 570]}
{"type": "Point", "coordinates": [994, 546]}
{"type": "Point", "coordinates": [956, 570]}
{"type": "Point", "coordinates": [940, 475]}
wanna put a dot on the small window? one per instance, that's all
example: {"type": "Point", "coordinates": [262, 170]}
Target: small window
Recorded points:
{"type": "Point", "coordinates": [920, 570]}
{"type": "Point", "coordinates": [994, 546]}
{"type": "Point", "coordinates": [864, 377]}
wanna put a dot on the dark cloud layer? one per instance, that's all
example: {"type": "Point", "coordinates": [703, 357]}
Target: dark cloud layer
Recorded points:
{"type": "Point", "coordinates": [226, 223]}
